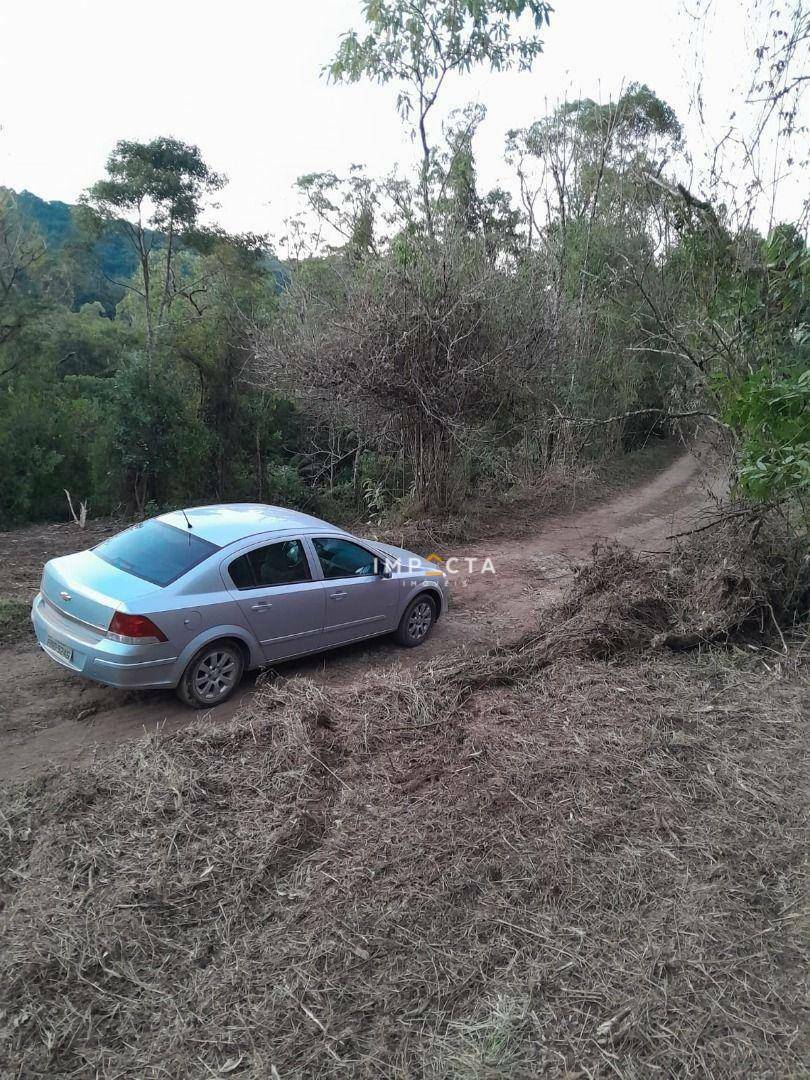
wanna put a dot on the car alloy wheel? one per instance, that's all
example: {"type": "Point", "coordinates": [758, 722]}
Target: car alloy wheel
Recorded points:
{"type": "Point", "coordinates": [420, 620]}
{"type": "Point", "coordinates": [417, 622]}
{"type": "Point", "coordinates": [215, 675]}
{"type": "Point", "coordinates": [212, 676]}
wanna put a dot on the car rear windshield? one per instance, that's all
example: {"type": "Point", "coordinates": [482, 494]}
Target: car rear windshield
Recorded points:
{"type": "Point", "coordinates": [155, 551]}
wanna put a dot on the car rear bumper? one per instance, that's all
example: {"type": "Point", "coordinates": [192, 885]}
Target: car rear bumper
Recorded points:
{"type": "Point", "coordinates": [95, 656]}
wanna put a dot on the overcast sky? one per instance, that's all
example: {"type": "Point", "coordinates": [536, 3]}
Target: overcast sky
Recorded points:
{"type": "Point", "coordinates": [242, 80]}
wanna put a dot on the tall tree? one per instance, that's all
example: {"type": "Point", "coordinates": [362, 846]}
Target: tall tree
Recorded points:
{"type": "Point", "coordinates": [418, 43]}
{"type": "Point", "coordinates": [158, 189]}
{"type": "Point", "coordinates": [21, 249]}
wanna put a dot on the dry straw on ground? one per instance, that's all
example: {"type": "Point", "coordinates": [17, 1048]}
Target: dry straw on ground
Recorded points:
{"type": "Point", "coordinates": [578, 857]}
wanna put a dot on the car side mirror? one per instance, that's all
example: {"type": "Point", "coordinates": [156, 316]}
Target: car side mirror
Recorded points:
{"type": "Point", "coordinates": [383, 569]}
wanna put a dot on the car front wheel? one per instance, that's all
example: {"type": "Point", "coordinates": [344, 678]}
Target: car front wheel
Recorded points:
{"type": "Point", "coordinates": [417, 621]}
{"type": "Point", "coordinates": [212, 675]}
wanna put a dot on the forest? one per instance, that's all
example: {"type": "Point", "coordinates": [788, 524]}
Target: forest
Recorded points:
{"type": "Point", "coordinates": [422, 339]}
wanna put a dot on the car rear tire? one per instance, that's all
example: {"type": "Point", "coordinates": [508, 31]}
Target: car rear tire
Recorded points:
{"type": "Point", "coordinates": [417, 621]}
{"type": "Point", "coordinates": [212, 675]}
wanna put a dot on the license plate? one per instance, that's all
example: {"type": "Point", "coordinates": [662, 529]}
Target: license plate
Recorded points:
{"type": "Point", "coordinates": [58, 647]}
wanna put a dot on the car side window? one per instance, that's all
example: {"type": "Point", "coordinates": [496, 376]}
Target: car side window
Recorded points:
{"type": "Point", "coordinates": [341, 558]}
{"type": "Point", "coordinates": [284, 563]}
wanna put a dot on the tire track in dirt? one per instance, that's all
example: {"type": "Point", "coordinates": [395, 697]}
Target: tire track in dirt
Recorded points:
{"type": "Point", "coordinates": [48, 716]}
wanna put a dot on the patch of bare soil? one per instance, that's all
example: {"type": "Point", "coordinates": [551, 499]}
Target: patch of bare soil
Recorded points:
{"type": "Point", "coordinates": [47, 715]}
{"type": "Point", "coordinates": [23, 552]}
{"type": "Point", "coordinates": [577, 855]}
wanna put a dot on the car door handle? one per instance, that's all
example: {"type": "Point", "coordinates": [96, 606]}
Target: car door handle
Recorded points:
{"type": "Point", "coordinates": [261, 606]}
{"type": "Point", "coordinates": [336, 595]}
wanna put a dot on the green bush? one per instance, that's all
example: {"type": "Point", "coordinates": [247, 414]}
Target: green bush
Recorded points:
{"type": "Point", "coordinates": [284, 486]}
{"type": "Point", "coordinates": [773, 416]}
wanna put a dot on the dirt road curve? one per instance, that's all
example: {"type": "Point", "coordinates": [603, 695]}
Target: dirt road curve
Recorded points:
{"type": "Point", "coordinates": [46, 715]}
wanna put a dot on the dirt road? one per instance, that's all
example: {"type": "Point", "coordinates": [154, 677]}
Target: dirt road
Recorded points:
{"type": "Point", "coordinates": [47, 715]}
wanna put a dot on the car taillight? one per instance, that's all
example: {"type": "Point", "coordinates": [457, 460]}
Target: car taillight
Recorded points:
{"type": "Point", "coordinates": [134, 630]}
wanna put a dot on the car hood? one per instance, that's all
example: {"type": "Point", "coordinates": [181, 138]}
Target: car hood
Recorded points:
{"type": "Point", "coordinates": [408, 559]}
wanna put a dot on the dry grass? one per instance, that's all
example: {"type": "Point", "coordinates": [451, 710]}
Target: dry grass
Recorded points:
{"type": "Point", "coordinates": [536, 862]}
{"type": "Point", "coordinates": [15, 620]}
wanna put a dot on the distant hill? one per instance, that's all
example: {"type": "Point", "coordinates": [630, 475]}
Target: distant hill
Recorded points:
{"type": "Point", "coordinates": [109, 260]}
{"type": "Point", "coordinates": [52, 218]}
{"type": "Point", "coordinates": [93, 273]}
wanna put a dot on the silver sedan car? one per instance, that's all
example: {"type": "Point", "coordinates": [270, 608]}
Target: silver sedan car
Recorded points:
{"type": "Point", "coordinates": [193, 598]}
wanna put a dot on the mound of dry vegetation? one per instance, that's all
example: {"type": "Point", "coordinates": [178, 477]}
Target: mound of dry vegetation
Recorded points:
{"type": "Point", "coordinates": [577, 857]}
{"type": "Point", "coordinates": [743, 583]}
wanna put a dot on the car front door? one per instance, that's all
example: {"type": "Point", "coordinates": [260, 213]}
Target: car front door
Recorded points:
{"type": "Point", "coordinates": [281, 601]}
{"type": "Point", "coordinates": [360, 601]}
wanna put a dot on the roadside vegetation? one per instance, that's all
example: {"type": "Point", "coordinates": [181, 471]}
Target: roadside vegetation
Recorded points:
{"type": "Point", "coordinates": [421, 339]}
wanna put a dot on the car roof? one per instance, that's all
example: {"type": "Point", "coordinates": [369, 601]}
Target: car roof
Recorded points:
{"type": "Point", "coordinates": [226, 523]}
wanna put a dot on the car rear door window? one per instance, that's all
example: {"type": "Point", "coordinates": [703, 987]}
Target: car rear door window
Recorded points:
{"type": "Point", "coordinates": [341, 558]}
{"type": "Point", "coordinates": [155, 552]}
{"type": "Point", "coordinates": [284, 563]}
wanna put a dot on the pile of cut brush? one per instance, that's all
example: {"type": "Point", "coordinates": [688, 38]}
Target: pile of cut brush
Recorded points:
{"type": "Point", "coordinates": [577, 856]}
{"type": "Point", "coordinates": [737, 585]}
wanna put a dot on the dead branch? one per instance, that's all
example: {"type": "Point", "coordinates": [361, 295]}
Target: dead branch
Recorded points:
{"type": "Point", "coordinates": [663, 414]}
{"type": "Point", "coordinates": [80, 518]}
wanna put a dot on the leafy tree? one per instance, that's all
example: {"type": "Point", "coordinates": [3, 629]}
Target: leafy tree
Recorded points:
{"type": "Point", "coordinates": [761, 309]}
{"type": "Point", "coordinates": [346, 205]}
{"type": "Point", "coordinates": [459, 205]}
{"type": "Point", "coordinates": [158, 439]}
{"type": "Point", "coordinates": [21, 250]}
{"type": "Point", "coordinates": [233, 296]}
{"type": "Point", "coordinates": [772, 416]}
{"type": "Point", "coordinates": [55, 412]}
{"type": "Point", "coordinates": [591, 214]}
{"type": "Point", "coordinates": [459, 200]}
{"type": "Point", "coordinates": [157, 189]}
{"type": "Point", "coordinates": [586, 159]}
{"type": "Point", "coordinates": [418, 43]}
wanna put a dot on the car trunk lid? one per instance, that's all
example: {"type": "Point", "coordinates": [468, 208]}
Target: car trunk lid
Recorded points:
{"type": "Point", "coordinates": [85, 588]}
